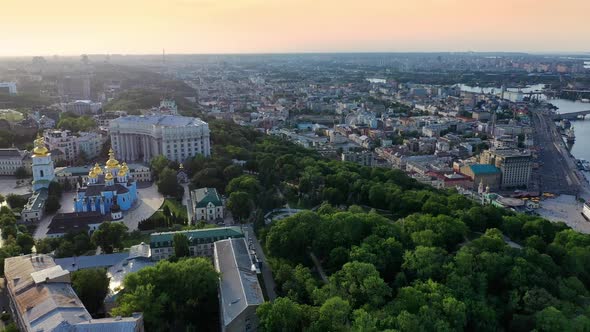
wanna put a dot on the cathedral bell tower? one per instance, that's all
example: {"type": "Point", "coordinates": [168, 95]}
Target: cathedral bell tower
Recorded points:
{"type": "Point", "coordinates": [42, 165]}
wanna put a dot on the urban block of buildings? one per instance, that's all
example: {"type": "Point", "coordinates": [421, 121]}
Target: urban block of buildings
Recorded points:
{"type": "Point", "coordinates": [72, 145]}
{"type": "Point", "coordinates": [11, 159]}
{"type": "Point", "coordinates": [200, 241]}
{"type": "Point", "coordinates": [41, 298]}
{"type": "Point", "coordinates": [144, 137]}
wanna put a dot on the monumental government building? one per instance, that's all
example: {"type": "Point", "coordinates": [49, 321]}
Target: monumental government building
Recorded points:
{"type": "Point", "coordinates": [142, 138]}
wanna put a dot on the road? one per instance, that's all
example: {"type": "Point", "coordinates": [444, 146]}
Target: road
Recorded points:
{"type": "Point", "coordinates": [186, 200]}
{"type": "Point", "coordinates": [558, 172]}
{"type": "Point", "coordinates": [269, 281]}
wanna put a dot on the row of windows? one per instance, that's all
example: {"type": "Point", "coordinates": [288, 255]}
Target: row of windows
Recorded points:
{"type": "Point", "coordinates": [195, 241]}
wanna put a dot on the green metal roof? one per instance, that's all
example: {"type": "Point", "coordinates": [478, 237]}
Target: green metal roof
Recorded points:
{"type": "Point", "coordinates": [37, 200]}
{"type": "Point", "coordinates": [165, 239]}
{"type": "Point", "coordinates": [204, 196]}
{"type": "Point", "coordinates": [484, 169]}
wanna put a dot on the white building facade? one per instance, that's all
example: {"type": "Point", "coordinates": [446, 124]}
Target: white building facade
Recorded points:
{"type": "Point", "coordinates": [141, 138]}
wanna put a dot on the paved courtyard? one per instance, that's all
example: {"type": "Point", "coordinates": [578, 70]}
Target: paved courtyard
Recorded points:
{"type": "Point", "coordinates": [8, 185]}
{"type": "Point", "coordinates": [149, 202]}
{"type": "Point", "coordinates": [565, 208]}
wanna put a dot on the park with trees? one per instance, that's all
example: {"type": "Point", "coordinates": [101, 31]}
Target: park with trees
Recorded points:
{"type": "Point", "coordinates": [397, 254]}
{"type": "Point", "coordinates": [393, 254]}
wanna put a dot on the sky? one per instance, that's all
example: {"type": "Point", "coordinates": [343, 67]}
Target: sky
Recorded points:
{"type": "Point", "coordinates": [73, 27]}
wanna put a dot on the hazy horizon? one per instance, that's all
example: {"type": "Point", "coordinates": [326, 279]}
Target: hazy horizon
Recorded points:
{"type": "Point", "coordinates": [145, 27]}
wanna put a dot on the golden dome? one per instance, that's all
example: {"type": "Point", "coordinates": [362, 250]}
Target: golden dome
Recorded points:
{"type": "Point", "coordinates": [122, 172]}
{"type": "Point", "coordinates": [40, 148]}
{"type": "Point", "coordinates": [97, 169]}
{"type": "Point", "coordinates": [92, 174]}
{"type": "Point", "coordinates": [112, 162]}
{"type": "Point", "coordinates": [125, 167]}
{"type": "Point", "coordinates": [108, 177]}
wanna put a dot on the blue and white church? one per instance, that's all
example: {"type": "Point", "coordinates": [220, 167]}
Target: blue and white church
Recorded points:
{"type": "Point", "coordinates": [109, 190]}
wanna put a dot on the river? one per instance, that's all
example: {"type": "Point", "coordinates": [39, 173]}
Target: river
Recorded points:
{"type": "Point", "coordinates": [581, 148]}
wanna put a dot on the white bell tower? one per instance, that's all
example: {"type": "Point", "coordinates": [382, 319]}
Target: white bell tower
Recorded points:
{"type": "Point", "coordinates": [42, 165]}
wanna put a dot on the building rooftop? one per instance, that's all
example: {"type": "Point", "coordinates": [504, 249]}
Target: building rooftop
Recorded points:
{"type": "Point", "coordinates": [74, 222]}
{"type": "Point", "coordinates": [239, 286]}
{"type": "Point", "coordinates": [204, 196]}
{"type": "Point", "coordinates": [484, 169]}
{"type": "Point", "coordinates": [83, 170]}
{"type": "Point", "coordinates": [117, 273]}
{"type": "Point", "coordinates": [88, 262]}
{"type": "Point", "coordinates": [37, 200]}
{"type": "Point", "coordinates": [219, 233]}
{"type": "Point", "coordinates": [512, 153]}
{"type": "Point", "coordinates": [42, 306]}
{"type": "Point", "coordinates": [161, 120]}
{"type": "Point", "coordinates": [11, 153]}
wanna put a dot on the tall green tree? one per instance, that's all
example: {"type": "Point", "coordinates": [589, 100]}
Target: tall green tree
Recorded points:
{"type": "Point", "coordinates": [240, 205]}
{"type": "Point", "coordinates": [25, 241]}
{"type": "Point", "coordinates": [109, 236]}
{"type": "Point", "coordinates": [171, 295]}
{"type": "Point", "coordinates": [91, 286]}
{"type": "Point", "coordinates": [181, 245]}
{"type": "Point", "coordinates": [168, 183]}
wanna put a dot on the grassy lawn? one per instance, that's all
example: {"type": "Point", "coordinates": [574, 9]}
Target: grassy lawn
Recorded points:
{"type": "Point", "coordinates": [11, 115]}
{"type": "Point", "coordinates": [175, 207]}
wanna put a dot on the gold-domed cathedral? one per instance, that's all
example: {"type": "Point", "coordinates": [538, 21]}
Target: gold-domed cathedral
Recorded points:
{"type": "Point", "coordinates": [42, 165]}
{"type": "Point", "coordinates": [108, 190]}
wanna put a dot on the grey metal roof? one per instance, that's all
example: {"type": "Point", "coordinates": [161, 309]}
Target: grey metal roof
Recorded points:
{"type": "Point", "coordinates": [117, 273]}
{"type": "Point", "coordinates": [11, 153]}
{"type": "Point", "coordinates": [53, 305]}
{"type": "Point", "coordinates": [238, 287]}
{"type": "Point", "coordinates": [161, 120]}
{"type": "Point", "coordinates": [87, 262]}
{"type": "Point", "coordinates": [111, 324]}
{"type": "Point", "coordinates": [44, 306]}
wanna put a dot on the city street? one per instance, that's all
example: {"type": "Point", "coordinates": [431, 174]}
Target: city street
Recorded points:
{"type": "Point", "coordinates": [557, 172]}
{"type": "Point", "coordinates": [269, 281]}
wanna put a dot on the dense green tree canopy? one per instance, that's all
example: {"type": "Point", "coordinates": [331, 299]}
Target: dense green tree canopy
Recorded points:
{"type": "Point", "coordinates": [171, 295]}
{"type": "Point", "coordinates": [91, 286]}
{"type": "Point", "coordinates": [109, 236]}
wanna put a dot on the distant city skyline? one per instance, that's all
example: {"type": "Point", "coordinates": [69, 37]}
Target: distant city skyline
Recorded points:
{"type": "Point", "coordinates": [66, 27]}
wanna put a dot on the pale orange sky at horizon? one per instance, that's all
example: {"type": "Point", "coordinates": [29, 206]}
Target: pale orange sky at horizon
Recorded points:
{"type": "Point", "coordinates": [68, 27]}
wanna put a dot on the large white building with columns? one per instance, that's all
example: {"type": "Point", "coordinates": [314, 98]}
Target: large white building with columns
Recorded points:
{"type": "Point", "coordinates": [142, 138]}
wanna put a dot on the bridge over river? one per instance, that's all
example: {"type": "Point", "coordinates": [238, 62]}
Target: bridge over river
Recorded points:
{"type": "Point", "coordinates": [571, 116]}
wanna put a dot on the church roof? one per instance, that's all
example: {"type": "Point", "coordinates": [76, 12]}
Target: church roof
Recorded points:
{"type": "Point", "coordinates": [74, 222]}
{"type": "Point", "coordinates": [204, 196]}
{"type": "Point", "coordinates": [97, 189]}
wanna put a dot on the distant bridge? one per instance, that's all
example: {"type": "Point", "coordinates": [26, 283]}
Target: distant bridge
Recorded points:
{"type": "Point", "coordinates": [571, 116]}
